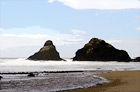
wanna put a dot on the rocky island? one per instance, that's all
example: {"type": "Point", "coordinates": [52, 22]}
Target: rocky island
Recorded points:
{"type": "Point", "coordinates": [99, 50]}
{"type": "Point", "coordinates": [47, 52]}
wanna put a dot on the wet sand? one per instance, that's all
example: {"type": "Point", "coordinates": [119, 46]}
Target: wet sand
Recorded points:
{"type": "Point", "coordinates": [49, 82]}
{"type": "Point", "coordinates": [121, 81]}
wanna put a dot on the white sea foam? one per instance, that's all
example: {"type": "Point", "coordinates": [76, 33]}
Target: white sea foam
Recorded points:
{"type": "Point", "coordinates": [49, 83]}
{"type": "Point", "coordinates": [23, 65]}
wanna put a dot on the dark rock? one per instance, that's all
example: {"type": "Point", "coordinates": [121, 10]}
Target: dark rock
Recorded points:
{"type": "Point", "coordinates": [137, 59]}
{"type": "Point", "coordinates": [31, 75]}
{"type": "Point", "coordinates": [48, 52]}
{"type": "Point", "coordinates": [99, 84]}
{"type": "Point", "coordinates": [99, 50]}
{"type": "Point", "coordinates": [1, 77]}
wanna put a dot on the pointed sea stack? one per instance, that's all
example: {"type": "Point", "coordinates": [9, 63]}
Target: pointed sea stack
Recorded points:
{"type": "Point", "coordinates": [99, 50]}
{"type": "Point", "coordinates": [48, 52]}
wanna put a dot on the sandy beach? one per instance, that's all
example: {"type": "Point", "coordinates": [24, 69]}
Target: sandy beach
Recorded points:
{"type": "Point", "coordinates": [121, 81]}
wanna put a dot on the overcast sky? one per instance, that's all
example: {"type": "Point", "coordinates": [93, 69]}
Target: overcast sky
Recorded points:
{"type": "Point", "coordinates": [25, 25]}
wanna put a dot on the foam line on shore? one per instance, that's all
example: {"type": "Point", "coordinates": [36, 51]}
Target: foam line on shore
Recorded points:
{"type": "Point", "coordinates": [52, 82]}
{"type": "Point", "coordinates": [101, 82]}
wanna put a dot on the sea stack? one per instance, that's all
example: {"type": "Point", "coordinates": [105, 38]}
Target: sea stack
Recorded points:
{"type": "Point", "coordinates": [47, 52]}
{"type": "Point", "coordinates": [98, 50]}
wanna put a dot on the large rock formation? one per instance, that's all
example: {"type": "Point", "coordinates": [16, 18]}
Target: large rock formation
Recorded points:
{"type": "Point", "coordinates": [48, 52]}
{"type": "Point", "coordinates": [137, 59]}
{"type": "Point", "coordinates": [99, 50]}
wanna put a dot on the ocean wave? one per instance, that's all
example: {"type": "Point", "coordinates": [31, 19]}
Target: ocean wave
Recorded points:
{"type": "Point", "coordinates": [23, 65]}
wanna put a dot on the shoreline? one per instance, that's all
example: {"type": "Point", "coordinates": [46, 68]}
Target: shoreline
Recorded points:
{"type": "Point", "coordinates": [65, 71]}
{"type": "Point", "coordinates": [50, 82]}
{"type": "Point", "coordinates": [108, 81]}
{"type": "Point", "coordinates": [120, 81]}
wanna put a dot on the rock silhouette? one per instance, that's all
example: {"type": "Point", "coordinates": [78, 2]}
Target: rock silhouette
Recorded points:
{"type": "Point", "coordinates": [99, 50]}
{"type": "Point", "coordinates": [48, 52]}
{"type": "Point", "coordinates": [1, 77]}
{"type": "Point", "coordinates": [31, 75]}
{"type": "Point", "coordinates": [137, 59]}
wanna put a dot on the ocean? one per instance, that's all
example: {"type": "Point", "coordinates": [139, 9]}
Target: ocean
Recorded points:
{"type": "Point", "coordinates": [22, 65]}
{"type": "Point", "coordinates": [15, 71]}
